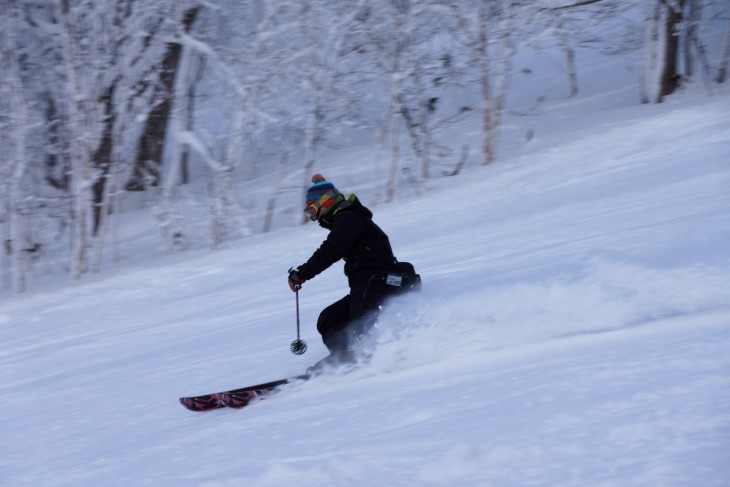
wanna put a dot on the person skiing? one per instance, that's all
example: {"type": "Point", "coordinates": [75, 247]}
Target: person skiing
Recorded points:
{"type": "Point", "coordinates": [372, 271]}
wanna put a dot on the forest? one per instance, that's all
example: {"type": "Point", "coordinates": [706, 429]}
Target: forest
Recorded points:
{"type": "Point", "coordinates": [109, 106]}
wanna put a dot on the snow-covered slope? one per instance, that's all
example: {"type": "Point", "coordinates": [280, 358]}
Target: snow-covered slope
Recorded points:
{"type": "Point", "coordinates": [573, 330]}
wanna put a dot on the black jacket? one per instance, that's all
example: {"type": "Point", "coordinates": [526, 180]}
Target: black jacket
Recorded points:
{"type": "Point", "coordinates": [354, 237]}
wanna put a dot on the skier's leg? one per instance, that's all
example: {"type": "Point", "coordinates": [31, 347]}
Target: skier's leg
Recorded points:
{"type": "Point", "coordinates": [345, 322]}
{"type": "Point", "coordinates": [365, 307]}
{"type": "Point", "coordinates": [331, 324]}
{"type": "Point", "coordinates": [332, 320]}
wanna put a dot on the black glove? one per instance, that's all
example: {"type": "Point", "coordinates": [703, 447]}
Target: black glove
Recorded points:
{"type": "Point", "coordinates": [295, 282]}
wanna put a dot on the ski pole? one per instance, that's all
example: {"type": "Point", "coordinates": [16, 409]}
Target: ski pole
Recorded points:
{"type": "Point", "coordinates": [298, 346]}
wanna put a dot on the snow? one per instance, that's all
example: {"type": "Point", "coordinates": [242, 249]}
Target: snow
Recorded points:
{"type": "Point", "coordinates": [573, 330]}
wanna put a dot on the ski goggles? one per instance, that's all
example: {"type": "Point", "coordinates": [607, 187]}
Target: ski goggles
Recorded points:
{"type": "Point", "coordinates": [313, 210]}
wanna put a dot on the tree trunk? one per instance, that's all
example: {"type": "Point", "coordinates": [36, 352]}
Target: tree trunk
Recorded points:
{"type": "Point", "coordinates": [104, 204]}
{"type": "Point", "coordinates": [7, 244]}
{"type": "Point", "coordinates": [567, 47]}
{"type": "Point", "coordinates": [394, 156]}
{"type": "Point", "coordinates": [479, 41]}
{"type": "Point", "coordinates": [380, 150]}
{"type": "Point", "coordinates": [419, 131]}
{"type": "Point", "coordinates": [178, 123]}
{"type": "Point", "coordinates": [692, 21]}
{"type": "Point", "coordinates": [484, 74]}
{"type": "Point", "coordinates": [724, 53]}
{"type": "Point", "coordinates": [655, 53]}
{"type": "Point", "coordinates": [102, 158]}
{"type": "Point", "coordinates": [271, 204]}
{"type": "Point", "coordinates": [398, 109]}
{"type": "Point", "coordinates": [19, 162]}
{"type": "Point", "coordinates": [81, 111]}
{"type": "Point", "coordinates": [57, 165]}
{"type": "Point", "coordinates": [671, 76]}
{"type": "Point", "coordinates": [185, 156]}
{"type": "Point", "coordinates": [662, 47]}
{"type": "Point", "coordinates": [503, 75]}
{"type": "Point", "coordinates": [152, 141]}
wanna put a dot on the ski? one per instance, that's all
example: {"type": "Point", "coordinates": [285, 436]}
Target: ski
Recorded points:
{"type": "Point", "coordinates": [236, 398]}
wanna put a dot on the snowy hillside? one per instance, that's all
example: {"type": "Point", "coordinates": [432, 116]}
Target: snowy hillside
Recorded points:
{"type": "Point", "coordinates": [573, 330]}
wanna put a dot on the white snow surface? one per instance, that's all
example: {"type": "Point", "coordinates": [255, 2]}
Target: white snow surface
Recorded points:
{"type": "Point", "coordinates": [573, 330]}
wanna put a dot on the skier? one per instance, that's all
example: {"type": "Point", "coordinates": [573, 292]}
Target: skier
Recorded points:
{"type": "Point", "coordinates": [372, 271]}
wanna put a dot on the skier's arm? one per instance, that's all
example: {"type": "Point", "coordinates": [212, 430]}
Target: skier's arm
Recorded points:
{"type": "Point", "coordinates": [345, 231]}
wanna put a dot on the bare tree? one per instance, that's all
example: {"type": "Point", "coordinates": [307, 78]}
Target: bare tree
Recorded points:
{"type": "Point", "coordinates": [672, 44]}
{"type": "Point", "coordinates": [318, 68]}
{"type": "Point", "coordinates": [662, 45]}
{"type": "Point", "coordinates": [288, 77]}
{"type": "Point", "coordinates": [257, 60]}
{"type": "Point", "coordinates": [389, 36]}
{"type": "Point", "coordinates": [83, 116]}
{"type": "Point", "coordinates": [724, 58]}
{"type": "Point", "coordinates": [177, 106]}
{"type": "Point", "coordinates": [566, 45]}
{"type": "Point", "coordinates": [487, 29]}
{"type": "Point", "coordinates": [148, 158]}
{"type": "Point", "coordinates": [407, 46]}
{"type": "Point", "coordinates": [106, 63]}
{"type": "Point", "coordinates": [15, 173]}
{"type": "Point", "coordinates": [671, 37]}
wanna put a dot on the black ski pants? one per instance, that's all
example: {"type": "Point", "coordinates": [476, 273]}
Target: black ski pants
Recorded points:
{"type": "Point", "coordinates": [343, 321]}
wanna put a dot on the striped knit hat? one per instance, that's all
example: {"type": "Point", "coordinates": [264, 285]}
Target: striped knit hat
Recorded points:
{"type": "Point", "coordinates": [316, 194]}
{"type": "Point", "coordinates": [320, 188]}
